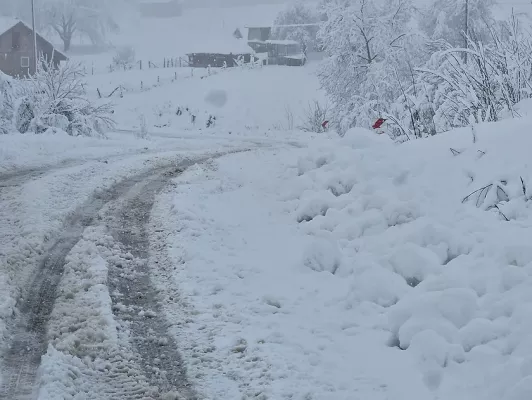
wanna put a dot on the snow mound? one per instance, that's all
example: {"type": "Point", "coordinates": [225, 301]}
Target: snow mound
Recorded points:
{"type": "Point", "coordinates": [431, 236]}
{"type": "Point", "coordinates": [360, 138]}
{"type": "Point", "coordinates": [323, 255]}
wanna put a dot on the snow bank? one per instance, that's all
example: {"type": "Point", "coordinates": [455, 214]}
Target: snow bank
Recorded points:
{"type": "Point", "coordinates": [415, 256]}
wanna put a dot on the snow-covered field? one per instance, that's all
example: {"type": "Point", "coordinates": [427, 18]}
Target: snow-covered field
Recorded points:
{"type": "Point", "coordinates": [243, 101]}
{"type": "Point", "coordinates": [356, 268]}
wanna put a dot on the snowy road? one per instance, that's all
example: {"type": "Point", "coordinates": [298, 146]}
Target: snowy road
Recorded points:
{"type": "Point", "coordinates": [126, 352]}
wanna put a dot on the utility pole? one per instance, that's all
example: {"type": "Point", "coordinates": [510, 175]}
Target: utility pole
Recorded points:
{"type": "Point", "coordinates": [34, 35]}
{"type": "Point", "coordinates": [466, 33]}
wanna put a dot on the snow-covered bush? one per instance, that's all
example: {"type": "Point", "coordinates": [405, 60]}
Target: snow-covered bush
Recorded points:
{"type": "Point", "coordinates": [25, 114]}
{"type": "Point", "coordinates": [315, 117]}
{"type": "Point", "coordinates": [55, 98]}
{"type": "Point", "coordinates": [125, 57]}
{"type": "Point", "coordinates": [460, 86]}
{"type": "Point", "coordinates": [6, 104]}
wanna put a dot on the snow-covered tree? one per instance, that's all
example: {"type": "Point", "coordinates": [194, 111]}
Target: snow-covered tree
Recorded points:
{"type": "Point", "coordinates": [371, 48]}
{"type": "Point", "coordinates": [55, 98]}
{"type": "Point", "coordinates": [298, 13]}
{"type": "Point", "coordinates": [448, 20]}
{"type": "Point", "coordinates": [6, 103]}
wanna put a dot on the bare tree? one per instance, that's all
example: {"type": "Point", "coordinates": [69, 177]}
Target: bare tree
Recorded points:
{"type": "Point", "coordinates": [65, 26]}
{"type": "Point", "coordinates": [90, 18]}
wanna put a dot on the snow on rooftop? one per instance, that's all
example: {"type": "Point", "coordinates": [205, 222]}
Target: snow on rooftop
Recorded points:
{"type": "Point", "coordinates": [7, 23]}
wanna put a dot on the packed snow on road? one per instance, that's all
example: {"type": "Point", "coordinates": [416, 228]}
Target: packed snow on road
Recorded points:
{"type": "Point", "coordinates": [309, 201]}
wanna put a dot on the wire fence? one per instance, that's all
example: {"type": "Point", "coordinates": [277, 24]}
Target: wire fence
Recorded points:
{"type": "Point", "coordinates": [146, 82]}
{"type": "Point", "coordinates": [170, 62]}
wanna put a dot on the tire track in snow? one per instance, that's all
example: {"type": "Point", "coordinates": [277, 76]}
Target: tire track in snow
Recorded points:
{"type": "Point", "coordinates": [29, 343]}
{"type": "Point", "coordinates": [136, 303]}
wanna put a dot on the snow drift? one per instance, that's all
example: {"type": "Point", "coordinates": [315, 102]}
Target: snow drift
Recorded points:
{"type": "Point", "coordinates": [408, 265]}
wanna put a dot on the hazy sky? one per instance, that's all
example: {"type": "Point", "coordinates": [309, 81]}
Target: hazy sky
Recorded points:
{"type": "Point", "coordinates": [206, 3]}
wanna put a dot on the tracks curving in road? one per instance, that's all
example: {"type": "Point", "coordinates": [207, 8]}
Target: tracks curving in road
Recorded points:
{"type": "Point", "coordinates": [148, 365]}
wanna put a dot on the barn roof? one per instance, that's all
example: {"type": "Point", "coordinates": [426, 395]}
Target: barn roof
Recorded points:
{"type": "Point", "coordinates": [7, 23]}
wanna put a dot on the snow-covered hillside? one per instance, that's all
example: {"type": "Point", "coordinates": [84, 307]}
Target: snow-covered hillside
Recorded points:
{"type": "Point", "coordinates": [359, 267]}
{"type": "Point", "coordinates": [243, 101]}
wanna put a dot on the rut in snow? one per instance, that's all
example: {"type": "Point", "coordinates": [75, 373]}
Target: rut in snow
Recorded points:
{"type": "Point", "coordinates": [29, 340]}
{"type": "Point", "coordinates": [135, 301]}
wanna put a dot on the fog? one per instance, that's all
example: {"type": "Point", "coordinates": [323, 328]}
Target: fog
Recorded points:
{"type": "Point", "coordinates": [229, 3]}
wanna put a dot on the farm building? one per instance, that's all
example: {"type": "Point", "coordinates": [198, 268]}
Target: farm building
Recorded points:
{"type": "Point", "coordinates": [218, 51]}
{"type": "Point", "coordinates": [16, 49]}
{"type": "Point", "coordinates": [285, 52]}
{"type": "Point", "coordinates": [257, 37]}
{"type": "Point", "coordinates": [259, 33]}
{"type": "Point", "coordinates": [279, 52]}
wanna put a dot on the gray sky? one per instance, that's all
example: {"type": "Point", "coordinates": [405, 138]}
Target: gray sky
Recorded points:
{"type": "Point", "coordinates": [207, 3]}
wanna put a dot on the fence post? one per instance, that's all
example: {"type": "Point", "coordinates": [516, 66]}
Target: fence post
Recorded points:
{"type": "Point", "coordinates": [175, 75]}
{"type": "Point", "coordinates": [164, 63]}
{"type": "Point", "coordinates": [158, 79]}
{"type": "Point", "coordinates": [140, 63]}
{"type": "Point", "coordinates": [141, 85]}
{"type": "Point", "coordinates": [93, 68]}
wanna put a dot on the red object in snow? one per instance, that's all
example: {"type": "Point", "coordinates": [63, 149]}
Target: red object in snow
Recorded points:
{"type": "Point", "coordinates": [324, 124]}
{"type": "Point", "coordinates": [378, 123]}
